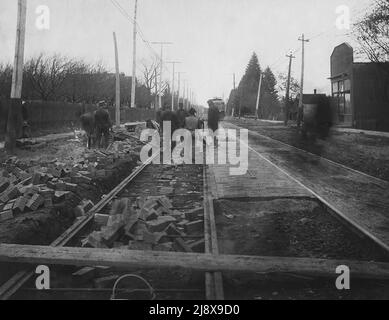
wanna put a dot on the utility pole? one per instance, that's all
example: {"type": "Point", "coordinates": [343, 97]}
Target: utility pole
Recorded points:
{"type": "Point", "coordinates": [233, 107]}
{"type": "Point", "coordinates": [290, 56]}
{"type": "Point", "coordinates": [187, 97]}
{"type": "Point", "coordinates": [133, 87]}
{"type": "Point", "coordinates": [161, 70]}
{"type": "Point", "coordinates": [259, 95]}
{"type": "Point", "coordinates": [117, 98]}
{"type": "Point", "coordinates": [174, 71]}
{"type": "Point", "coordinates": [303, 41]}
{"type": "Point", "coordinates": [179, 86]}
{"type": "Point", "coordinates": [14, 123]}
{"type": "Point", "coordinates": [156, 89]}
{"type": "Point", "coordinates": [183, 92]}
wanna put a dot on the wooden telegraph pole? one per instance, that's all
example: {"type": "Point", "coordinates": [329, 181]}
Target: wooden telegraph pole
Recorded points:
{"type": "Point", "coordinates": [156, 89]}
{"type": "Point", "coordinates": [117, 98]}
{"type": "Point", "coordinates": [290, 56]}
{"type": "Point", "coordinates": [259, 95]}
{"type": "Point", "coordinates": [174, 71]}
{"type": "Point", "coordinates": [133, 86]}
{"type": "Point", "coordinates": [14, 123]}
{"type": "Point", "coordinates": [303, 41]}
{"type": "Point", "coordinates": [233, 106]}
{"type": "Point", "coordinates": [161, 70]}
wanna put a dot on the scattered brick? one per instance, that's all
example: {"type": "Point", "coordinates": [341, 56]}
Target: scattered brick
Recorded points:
{"type": "Point", "coordinates": [101, 219]}
{"type": "Point", "coordinates": [36, 178]}
{"type": "Point", "coordinates": [6, 215]}
{"type": "Point", "coordinates": [180, 245]}
{"type": "Point", "coordinates": [171, 230]}
{"type": "Point", "coordinates": [11, 193]}
{"type": "Point", "coordinates": [148, 214]}
{"type": "Point", "coordinates": [94, 240]}
{"type": "Point", "coordinates": [194, 214]}
{"type": "Point", "coordinates": [194, 227]}
{"type": "Point", "coordinates": [20, 204]}
{"type": "Point", "coordinates": [4, 184]}
{"type": "Point", "coordinates": [71, 187]}
{"type": "Point", "coordinates": [198, 246]}
{"type": "Point", "coordinates": [161, 223]}
{"type": "Point", "coordinates": [87, 205]}
{"type": "Point", "coordinates": [111, 233]}
{"type": "Point", "coordinates": [35, 202]}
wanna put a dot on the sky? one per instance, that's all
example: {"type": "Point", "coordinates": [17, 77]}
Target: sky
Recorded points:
{"type": "Point", "coordinates": [211, 38]}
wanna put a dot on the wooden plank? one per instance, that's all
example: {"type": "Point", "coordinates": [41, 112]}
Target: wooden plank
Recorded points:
{"type": "Point", "coordinates": [128, 259]}
{"type": "Point", "coordinates": [217, 276]}
{"type": "Point", "coordinates": [209, 277]}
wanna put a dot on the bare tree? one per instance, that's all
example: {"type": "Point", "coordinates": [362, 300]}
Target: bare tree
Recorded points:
{"type": "Point", "coordinates": [47, 74]}
{"type": "Point", "coordinates": [151, 73]}
{"type": "Point", "coordinates": [372, 32]}
{"type": "Point", "coordinates": [5, 79]}
{"type": "Point", "coordinates": [294, 86]}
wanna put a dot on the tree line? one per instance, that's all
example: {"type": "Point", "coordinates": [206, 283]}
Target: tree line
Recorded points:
{"type": "Point", "coordinates": [244, 98]}
{"type": "Point", "coordinates": [371, 33]}
{"type": "Point", "coordinates": [60, 78]}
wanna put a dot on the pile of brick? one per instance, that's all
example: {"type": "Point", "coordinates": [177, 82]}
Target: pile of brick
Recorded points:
{"type": "Point", "coordinates": [149, 224]}
{"type": "Point", "coordinates": [29, 187]}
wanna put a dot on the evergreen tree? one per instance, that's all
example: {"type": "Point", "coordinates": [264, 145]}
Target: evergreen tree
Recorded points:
{"type": "Point", "coordinates": [248, 86]}
{"type": "Point", "coordinates": [270, 107]}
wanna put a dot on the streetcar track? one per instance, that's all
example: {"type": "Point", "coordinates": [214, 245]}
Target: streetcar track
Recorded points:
{"type": "Point", "coordinates": [348, 222]}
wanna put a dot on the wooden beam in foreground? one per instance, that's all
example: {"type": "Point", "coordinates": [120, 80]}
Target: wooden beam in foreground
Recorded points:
{"type": "Point", "coordinates": [127, 259]}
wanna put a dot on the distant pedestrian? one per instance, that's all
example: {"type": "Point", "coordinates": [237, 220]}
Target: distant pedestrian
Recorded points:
{"type": "Point", "coordinates": [170, 117]}
{"type": "Point", "coordinates": [103, 125]}
{"type": "Point", "coordinates": [181, 116]}
{"type": "Point", "coordinates": [26, 129]}
{"type": "Point", "coordinates": [88, 125]}
{"type": "Point", "coordinates": [192, 122]}
{"type": "Point", "coordinates": [213, 117]}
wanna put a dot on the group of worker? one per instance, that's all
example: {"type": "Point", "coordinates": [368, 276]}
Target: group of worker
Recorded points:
{"type": "Point", "coordinates": [97, 126]}
{"type": "Point", "coordinates": [180, 119]}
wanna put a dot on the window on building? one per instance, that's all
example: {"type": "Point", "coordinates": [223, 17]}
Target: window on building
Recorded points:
{"type": "Point", "coordinates": [335, 88]}
{"type": "Point", "coordinates": [341, 91]}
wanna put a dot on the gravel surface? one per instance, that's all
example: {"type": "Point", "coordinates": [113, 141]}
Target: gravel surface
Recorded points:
{"type": "Point", "coordinates": [363, 152]}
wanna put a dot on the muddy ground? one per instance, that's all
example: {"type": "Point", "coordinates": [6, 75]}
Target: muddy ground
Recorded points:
{"type": "Point", "coordinates": [363, 152]}
{"type": "Point", "coordinates": [291, 228]}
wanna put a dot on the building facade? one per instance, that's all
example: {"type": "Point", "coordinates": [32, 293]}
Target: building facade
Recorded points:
{"type": "Point", "coordinates": [360, 91]}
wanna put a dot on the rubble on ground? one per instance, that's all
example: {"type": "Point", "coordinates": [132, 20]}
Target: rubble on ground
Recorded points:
{"type": "Point", "coordinates": [149, 223]}
{"type": "Point", "coordinates": [29, 186]}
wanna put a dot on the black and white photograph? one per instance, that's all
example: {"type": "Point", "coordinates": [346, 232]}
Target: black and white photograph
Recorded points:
{"type": "Point", "coordinates": [194, 155]}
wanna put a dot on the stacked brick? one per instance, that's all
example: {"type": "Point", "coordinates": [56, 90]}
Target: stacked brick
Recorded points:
{"type": "Point", "coordinates": [29, 187]}
{"type": "Point", "coordinates": [149, 224]}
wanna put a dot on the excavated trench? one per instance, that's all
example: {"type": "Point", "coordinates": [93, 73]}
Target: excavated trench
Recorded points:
{"type": "Point", "coordinates": [300, 228]}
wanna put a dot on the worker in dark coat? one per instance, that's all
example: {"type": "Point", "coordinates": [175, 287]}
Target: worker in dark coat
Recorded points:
{"type": "Point", "coordinates": [103, 125]}
{"type": "Point", "coordinates": [88, 125]}
{"type": "Point", "coordinates": [213, 117]}
{"type": "Point", "coordinates": [181, 116]}
{"type": "Point", "coordinates": [192, 122]}
{"type": "Point", "coordinates": [171, 117]}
